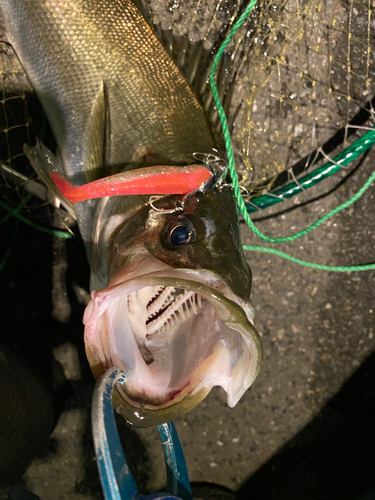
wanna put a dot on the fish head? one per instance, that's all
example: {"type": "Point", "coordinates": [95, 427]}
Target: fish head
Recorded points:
{"type": "Point", "coordinates": [176, 316]}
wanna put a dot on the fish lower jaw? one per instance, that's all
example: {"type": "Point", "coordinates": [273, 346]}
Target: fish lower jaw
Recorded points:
{"type": "Point", "coordinates": [175, 337]}
{"type": "Point", "coordinates": [139, 409]}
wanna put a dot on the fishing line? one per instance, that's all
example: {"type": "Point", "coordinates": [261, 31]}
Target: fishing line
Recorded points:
{"type": "Point", "coordinates": [237, 189]}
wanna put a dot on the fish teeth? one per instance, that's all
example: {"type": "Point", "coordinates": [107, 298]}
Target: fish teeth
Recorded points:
{"type": "Point", "coordinates": [193, 305]}
{"type": "Point", "coordinates": [181, 311]}
{"type": "Point", "coordinates": [147, 294]}
{"type": "Point", "coordinates": [163, 297]}
{"type": "Point", "coordinates": [181, 308]}
{"type": "Point", "coordinates": [159, 290]}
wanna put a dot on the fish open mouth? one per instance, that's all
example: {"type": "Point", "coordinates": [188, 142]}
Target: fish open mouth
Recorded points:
{"type": "Point", "coordinates": [176, 333]}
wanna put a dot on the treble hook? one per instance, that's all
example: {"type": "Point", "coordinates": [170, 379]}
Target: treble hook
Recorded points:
{"type": "Point", "coordinates": [179, 206]}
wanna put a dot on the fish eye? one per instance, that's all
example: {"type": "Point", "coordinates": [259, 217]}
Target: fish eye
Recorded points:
{"type": "Point", "coordinates": [180, 235]}
{"type": "Point", "coordinates": [180, 232]}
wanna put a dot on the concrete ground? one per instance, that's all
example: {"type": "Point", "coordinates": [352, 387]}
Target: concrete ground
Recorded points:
{"type": "Point", "coordinates": [302, 431]}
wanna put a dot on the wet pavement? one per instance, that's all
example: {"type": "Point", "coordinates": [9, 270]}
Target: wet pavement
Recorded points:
{"type": "Point", "coordinates": [302, 431]}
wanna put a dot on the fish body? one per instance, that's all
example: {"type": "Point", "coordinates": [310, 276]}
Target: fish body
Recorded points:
{"type": "Point", "coordinates": [109, 89]}
{"type": "Point", "coordinates": [171, 287]}
{"type": "Point", "coordinates": [107, 86]}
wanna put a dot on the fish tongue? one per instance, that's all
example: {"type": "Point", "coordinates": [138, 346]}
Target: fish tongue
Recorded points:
{"type": "Point", "coordinates": [178, 353]}
{"type": "Point", "coordinates": [150, 381]}
{"type": "Point", "coordinates": [176, 349]}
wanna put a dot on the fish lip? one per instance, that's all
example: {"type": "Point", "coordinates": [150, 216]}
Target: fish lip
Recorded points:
{"type": "Point", "coordinates": [211, 286]}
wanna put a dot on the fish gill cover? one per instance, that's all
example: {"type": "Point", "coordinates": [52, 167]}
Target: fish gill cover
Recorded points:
{"type": "Point", "coordinates": [297, 77]}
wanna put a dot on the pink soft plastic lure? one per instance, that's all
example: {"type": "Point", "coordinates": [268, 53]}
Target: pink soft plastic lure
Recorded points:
{"type": "Point", "coordinates": [163, 179]}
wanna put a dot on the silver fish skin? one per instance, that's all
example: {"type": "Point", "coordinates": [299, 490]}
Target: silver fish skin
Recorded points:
{"type": "Point", "coordinates": [173, 313]}
{"type": "Point", "coordinates": [110, 91]}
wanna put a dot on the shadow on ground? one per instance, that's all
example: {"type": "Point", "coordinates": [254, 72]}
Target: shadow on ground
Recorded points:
{"type": "Point", "coordinates": [332, 457]}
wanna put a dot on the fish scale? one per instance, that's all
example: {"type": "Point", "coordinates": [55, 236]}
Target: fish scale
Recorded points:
{"type": "Point", "coordinates": [114, 92]}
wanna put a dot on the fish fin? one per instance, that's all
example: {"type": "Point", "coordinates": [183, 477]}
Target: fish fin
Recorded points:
{"type": "Point", "coordinates": [13, 76]}
{"type": "Point", "coordinates": [192, 44]}
{"type": "Point", "coordinates": [107, 130]}
{"type": "Point", "coordinates": [44, 163]}
{"type": "Point", "coordinates": [2, 26]}
{"type": "Point", "coordinates": [98, 137]}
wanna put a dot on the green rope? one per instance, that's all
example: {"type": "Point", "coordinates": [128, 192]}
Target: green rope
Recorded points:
{"type": "Point", "coordinates": [10, 245]}
{"type": "Point", "coordinates": [9, 215]}
{"type": "Point", "coordinates": [312, 178]}
{"type": "Point", "coordinates": [14, 213]}
{"type": "Point", "coordinates": [236, 187]}
{"type": "Point", "coordinates": [221, 112]}
{"type": "Point", "coordinates": [283, 255]}
{"type": "Point", "coordinates": [320, 221]}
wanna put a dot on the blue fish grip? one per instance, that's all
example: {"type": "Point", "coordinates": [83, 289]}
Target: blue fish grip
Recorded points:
{"type": "Point", "coordinates": [116, 479]}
